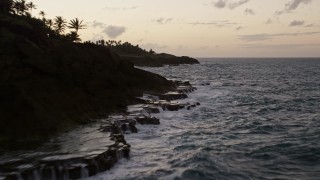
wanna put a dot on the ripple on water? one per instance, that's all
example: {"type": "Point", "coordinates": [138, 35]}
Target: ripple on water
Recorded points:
{"type": "Point", "coordinates": [258, 119]}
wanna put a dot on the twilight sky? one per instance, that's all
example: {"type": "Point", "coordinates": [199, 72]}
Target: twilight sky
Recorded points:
{"type": "Point", "coordinates": [200, 28]}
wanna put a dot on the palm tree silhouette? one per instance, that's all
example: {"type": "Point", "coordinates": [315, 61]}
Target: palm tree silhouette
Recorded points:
{"type": "Point", "coordinates": [76, 24]}
{"type": "Point", "coordinates": [20, 7]}
{"type": "Point", "coordinates": [31, 6]}
{"type": "Point", "coordinates": [49, 23]}
{"type": "Point", "coordinates": [73, 36]}
{"type": "Point", "coordinates": [42, 13]}
{"type": "Point", "coordinates": [59, 24]}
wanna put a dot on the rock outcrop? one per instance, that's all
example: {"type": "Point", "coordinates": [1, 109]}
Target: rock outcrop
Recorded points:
{"type": "Point", "coordinates": [158, 60]}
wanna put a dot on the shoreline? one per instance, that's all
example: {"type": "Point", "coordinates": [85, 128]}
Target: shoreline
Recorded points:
{"type": "Point", "coordinates": [79, 166]}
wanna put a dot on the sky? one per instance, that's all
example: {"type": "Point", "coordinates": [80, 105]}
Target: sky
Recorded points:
{"type": "Point", "coordinates": [199, 28]}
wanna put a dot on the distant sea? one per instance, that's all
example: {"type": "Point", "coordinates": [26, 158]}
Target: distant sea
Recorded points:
{"type": "Point", "coordinates": [258, 119]}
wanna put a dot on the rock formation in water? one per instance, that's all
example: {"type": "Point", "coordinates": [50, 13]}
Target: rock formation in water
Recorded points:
{"type": "Point", "coordinates": [79, 163]}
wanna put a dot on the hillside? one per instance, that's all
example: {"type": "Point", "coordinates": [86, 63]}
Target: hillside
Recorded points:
{"type": "Point", "coordinates": [141, 57]}
{"type": "Point", "coordinates": [49, 83]}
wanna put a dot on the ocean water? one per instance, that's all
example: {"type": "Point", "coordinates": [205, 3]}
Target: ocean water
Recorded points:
{"type": "Point", "coordinates": [258, 119]}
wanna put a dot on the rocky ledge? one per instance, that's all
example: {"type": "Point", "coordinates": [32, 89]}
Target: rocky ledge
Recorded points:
{"type": "Point", "coordinates": [84, 162]}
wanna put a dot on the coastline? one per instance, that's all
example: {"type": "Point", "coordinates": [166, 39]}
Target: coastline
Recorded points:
{"type": "Point", "coordinates": [50, 85]}
{"type": "Point", "coordinates": [98, 158]}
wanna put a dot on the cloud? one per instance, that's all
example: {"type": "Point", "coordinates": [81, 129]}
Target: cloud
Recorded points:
{"type": "Point", "coordinates": [163, 20]}
{"type": "Point", "coordinates": [309, 25]}
{"type": "Point", "coordinates": [119, 9]}
{"type": "Point", "coordinates": [277, 46]}
{"type": "Point", "coordinates": [96, 37]}
{"type": "Point", "coordinates": [292, 5]}
{"type": "Point", "coordinates": [220, 3]}
{"type": "Point", "coordinates": [153, 46]}
{"type": "Point", "coordinates": [263, 37]}
{"type": "Point", "coordinates": [249, 11]}
{"type": "Point", "coordinates": [255, 37]}
{"type": "Point", "coordinates": [224, 23]}
{"type": "Point", "coordinates": [96, 24]}
{"type": "Point", "coordinates": [296, 23]}
{"type": "Point", "coordinates": [204, 47]}
{"type": "Point", "coordinates": [239, 28]}
{"type": "Point", "coordinates": [269, 21]}
{"type": "Point", "coordinates": [114, 31]}
{"type": "Point", "coordinates": [231, 4]}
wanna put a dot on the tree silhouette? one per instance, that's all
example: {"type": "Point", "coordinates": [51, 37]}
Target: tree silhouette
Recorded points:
{"type": "Point", "coordinates": [6, 6]}
{"type": "Point", "coordinates": [20, 7]}
{"type": "Point", "coordinates": [73, 36]}
{"type": "Point", "coordinates": [31, 6]}
{"type": "Point", "coordinates": [76, 24]}
{"type": "Point", "coordinates": [49, 23]}
{"type": "Point", "coordinates": [42, 14]}
{"type": "Point", "coordinates": [59, 24]}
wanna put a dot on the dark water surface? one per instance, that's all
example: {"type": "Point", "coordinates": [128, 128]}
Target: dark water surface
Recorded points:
{"type": "Point", "coordinates": [258, 119]}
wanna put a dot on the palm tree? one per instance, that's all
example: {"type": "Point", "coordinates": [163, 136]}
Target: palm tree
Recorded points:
{"type": "Point", "coordinates": [73, 36]}
{"type": "Point", "coordinates": [59, 24]}
{"type": "Point", "coordinates": [20, 7]}
{"type": "Point", "coordinates": [49, 23]}
{"type": "Point", "coordinates": [76, 24]}
{"type": "Point", "coordinates": [31, 6]}
{"type": "Point", "coordinates": [42, 13]}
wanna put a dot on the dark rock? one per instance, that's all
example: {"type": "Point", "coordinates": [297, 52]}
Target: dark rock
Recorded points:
{"type": "Point", "coordinates": [185, 89]}
{"type": "Point", "coordinates": [127, 125]}
{"type": "Point", "coordinates": [173, 107]}
{"type": "Point", "coordinates": [172, 96]}
{"type": "Point", "coordinates": [133, 128]}
{"type": "Point", "coordinates": [77, 171]}
{"type": "Point", "coordinates": [151, 109]}
{"type": "Point", "coordinates": [124, 127]}
{"type": "Point", "coordinates": [12, 176]}
{"type": "Point", "coordinates": [106, 128]}
{"type": "Point", "coordinates": [157, 60]}
{"type": "Point", "coordinates": [125, 151]}
{"type": "Point", "coordinates": [205, 84]}
{"type": "Point", "coordinates": [93, 168]}
{"type": "Point", "coordinates": [147, 120]}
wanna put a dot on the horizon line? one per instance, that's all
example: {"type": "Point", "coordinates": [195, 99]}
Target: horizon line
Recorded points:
{"type": "Point", "coordinates": [255, 57]}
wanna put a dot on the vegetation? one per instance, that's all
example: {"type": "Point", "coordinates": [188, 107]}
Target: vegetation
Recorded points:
{"type": "Point", "coordinates": [49, 83]}
{"type": "Point", "coordinates": [141, 57]}
{"type": "Point", "coordinates": [125, 48]}
{"type": "Point", "coordinates": [52, 28]}
{"type": "Point", "coordinates": [76, 24]}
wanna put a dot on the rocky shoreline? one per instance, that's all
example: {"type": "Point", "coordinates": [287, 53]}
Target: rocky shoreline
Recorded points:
{"type": "Point", "coordinates": [115, 127]}
{"type": "Point", "coordinates": [50, 84]}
